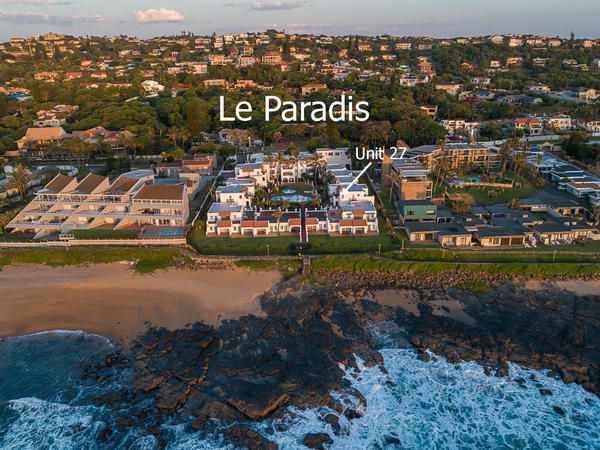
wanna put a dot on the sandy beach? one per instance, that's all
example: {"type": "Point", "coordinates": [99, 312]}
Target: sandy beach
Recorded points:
{"type": "Point", "coordinates": [114, 301]}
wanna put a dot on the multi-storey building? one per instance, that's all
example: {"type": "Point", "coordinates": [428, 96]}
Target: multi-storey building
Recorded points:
{"type": "Point", "coordinates": [131, 201]}
{"type": "Point", "coordinates": [352, 209]}
{"type": "Point", "coordinates": [411, 180]}
{"type": "Point", "coordinates": [460, 155]}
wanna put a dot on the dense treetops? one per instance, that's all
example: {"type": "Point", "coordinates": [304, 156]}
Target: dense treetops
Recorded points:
{"type": "Point", "coordinates": [118, 102]}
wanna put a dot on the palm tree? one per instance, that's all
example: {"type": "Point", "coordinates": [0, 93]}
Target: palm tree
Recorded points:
{"type": "Point", "coordinates": [285, 204]}
{"type": "Point", "coordinates": [596, 216]}
{"type": "Point", "coordinates": [315, 202]}
{"type": "Point", "coordinates": [212, 192]}
{"type": "Point", "coordinates": [315, 165]}
{"type": "Point", "coordinates": [278, 215]}
{"type": "Point", "coordinates": [19, 179]}
{"type": "Point", "coordinates": [504, 154]}
{"type": "Point", "coordinates": [173, 134]}
{"type": "Point", "coordinates": [519, 161]}
{"type": "Point", "coordinates": [136, 144]}
{"type": "Point", "coordinates": [185, 136]}
{"type": "Point", "coordinates": [442, 169]}
{"type": "Point", "coordinates": [393, 178]}
{"type": "Point", "coordinates": [125, 140]}
{"type": "Point", "coordinates": [515, 203]}
{"type": "Point", "coordinates": [276, 137]}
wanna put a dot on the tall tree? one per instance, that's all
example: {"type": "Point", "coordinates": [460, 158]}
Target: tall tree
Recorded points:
{"type": "Point", "coordinates": [20, 179]}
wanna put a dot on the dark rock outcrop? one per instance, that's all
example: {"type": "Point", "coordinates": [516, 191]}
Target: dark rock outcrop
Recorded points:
{"type": "Point", "coordinates": [251, 368]}
{"type": "Point", "coordinates": [316, 440]}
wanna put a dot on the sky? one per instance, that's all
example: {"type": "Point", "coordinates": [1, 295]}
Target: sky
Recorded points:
{"type": "Point", "coordinates": [436, 18]}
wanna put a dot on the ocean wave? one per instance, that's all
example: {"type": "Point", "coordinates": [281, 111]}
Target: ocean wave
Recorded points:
{"type": "Point", "coordinates": [441, 405]}
{"type": "Point", "coordinates": [411, 404]}
{"type": "Point", "coordinates": [78, 333]}
{"type": "Point", "coordinates": [41, 424]}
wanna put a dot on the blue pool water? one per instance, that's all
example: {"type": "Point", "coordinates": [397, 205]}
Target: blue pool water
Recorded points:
{"type": "Point", "coordinates": [170, 233]}
{"type": "Point", "coordinates": [292, 198]}
{"type": "Point", "coordinates": [288, 191]}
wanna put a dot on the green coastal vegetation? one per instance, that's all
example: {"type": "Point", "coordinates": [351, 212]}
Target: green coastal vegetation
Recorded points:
{"type": "Point", "coordinates": [280, 245]}
{"type": "Point", "coordinates": [145, 260]}
{"type": "Point", "coordinates": [373, 264]}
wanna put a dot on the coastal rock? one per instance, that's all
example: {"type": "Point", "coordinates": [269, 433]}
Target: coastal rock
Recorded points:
{"type": "Point", "coordinates": [253, 368]}
{"type": "Point", "coordinates": [333, 421]}
{"type": "Point", "coordinates": [244, 437]}
{"type": "Point", "coordinates": [316, 440]}
{"type": "Point", "coordinates": [250, 368]}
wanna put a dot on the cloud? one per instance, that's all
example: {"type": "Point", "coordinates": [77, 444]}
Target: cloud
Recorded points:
{"type": "Point", "coordinates": [44, 2]}
{"type": "Point", "coordinates": [30, 18]}
{"type": "Point", "coordinates": [158, 15]}
{"type": "Point", "coordinates": [276, 5]}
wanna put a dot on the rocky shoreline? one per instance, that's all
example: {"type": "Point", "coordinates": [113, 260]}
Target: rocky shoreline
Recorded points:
{"type": "Point", "coordinates": [254, 368]}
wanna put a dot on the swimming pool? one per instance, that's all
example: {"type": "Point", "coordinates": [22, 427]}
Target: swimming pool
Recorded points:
{"type": "Point", "coordinates": [170, 233]}
{"type": "Point", "coordinates": [295, 198]}
{"type": "Point", "coordinates": [288, 191]}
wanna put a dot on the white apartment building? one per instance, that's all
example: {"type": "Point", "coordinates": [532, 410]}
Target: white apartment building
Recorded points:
{"type": "Point", "coordinates": [461, 127]}
{"type": "Point", "coordinates": [131, 201]}
{"type": "Point", "coordinates": [352, 210]}
{"type": "Point", "coordinates": [334, 156]}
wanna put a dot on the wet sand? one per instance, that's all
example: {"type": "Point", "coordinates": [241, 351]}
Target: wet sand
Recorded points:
{"type": "Point", "coordinates": [577, 287]}
{"type": "Point", "coordinates": [409, 300]}
{"type": "Point", "coordinates": [114, 301]}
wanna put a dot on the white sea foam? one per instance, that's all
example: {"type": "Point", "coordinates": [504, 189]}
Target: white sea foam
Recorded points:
{"type": "Point", "coordinates": [41, 424]}
{"type": "Point", "coordinates": [419, 404]}
{"type": "Point", "coordinates": [65, 333]}
{"type": "Point", "coordinates": [441, 405]}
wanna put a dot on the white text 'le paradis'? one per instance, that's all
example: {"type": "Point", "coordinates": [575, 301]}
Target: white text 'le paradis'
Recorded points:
{"type": "Point", "coordinates": [289, 111]}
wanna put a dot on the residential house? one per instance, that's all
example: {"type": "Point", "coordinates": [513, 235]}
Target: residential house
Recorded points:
{"type": "Point", "coordinates": [450, 87]}
{"type": "Point", "coordinates": [313, 87]}
{"type": "Point", "coordinates": [530, 125]}
{"type": "Point", "coordinates": [582, 93]}
{"type": "Point", "coordinates": [271, 58]}
{"type": "Point", "coordinates": [560, 122]}
{"type": "Point", "coordinates": [39, 140]}
{"type": "Point", "coordinates": [116, 139]}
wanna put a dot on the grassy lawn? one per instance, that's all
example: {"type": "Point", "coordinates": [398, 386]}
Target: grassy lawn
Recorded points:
{"type": "Point", "coordinates": [242, 246]}
{"type": "Point", "coordinates": [485, 195]}
{"type": "Point", "coordinates": [147, 260]}
{"type": "Point", "coordinates": [388, 205]}
{"type": "Point", "coordinates": [372, 264]}
{"type": "Point", "coordinates": [280, 245]}
{"type": "Point", "coordinates": [320, 245]}
{"type": "Point", "coordinates": [541, 254]}
{"type": "Point", "coordinates": [270, 264]}
{"type": "Point", "coordinates": [105, 234]}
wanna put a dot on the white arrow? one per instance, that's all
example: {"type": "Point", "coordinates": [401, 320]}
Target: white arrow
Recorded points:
{"type": "Point", "coordinates": [356, 179]}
